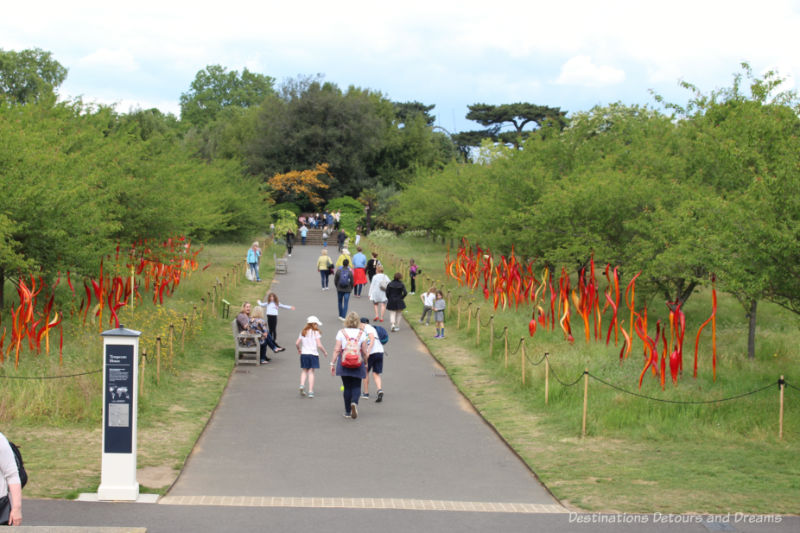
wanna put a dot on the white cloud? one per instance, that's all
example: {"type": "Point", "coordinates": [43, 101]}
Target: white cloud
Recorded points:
{"type": "Point", "coordinates": [580, 70]}
{"type": "Point", "coordinates": [119, 60]}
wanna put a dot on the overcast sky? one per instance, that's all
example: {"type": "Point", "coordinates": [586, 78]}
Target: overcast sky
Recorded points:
{"type": "Point", "coordinates": [572, 54]}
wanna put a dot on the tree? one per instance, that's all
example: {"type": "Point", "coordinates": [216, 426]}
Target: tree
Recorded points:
{"type": "Point", "coordinates": [299, 186]}
{"type": "Point", "coordinates": [404, 111]}
{"type": "Point", "coordinates": [29, 75]}
{"type": "Point", "coordinates": [215, 88]}
{"type": "Point", "coordinates": [518, 115]}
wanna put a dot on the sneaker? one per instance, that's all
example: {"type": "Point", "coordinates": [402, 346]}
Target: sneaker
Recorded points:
{"type": "Point", "coordinates": [441, 336]}
{"type": "Point", "coordinates": [395, 328]}
{"type": "Point", "coordinates": [380, 397]}
{"type": "Point", "coordinates": [381, 320]}
{"type": "Point", "coordinates": [437, 336]}
{"type": "Point", "coordinates": [365, 395]}
{"type": "Point", "coordinates": [412, 292]}
{"type": "Point", "coordinates": [310, 394]}
{"type": "Point", "coordinates": [342, 319]}
{"type": "Point", "coordinates": [353, 410]}
{"type": "Point", "coordinates": [302, 391]}
{"type": "Point", "coordinates": [280, 349]}
{"type": "Point", "coordinates": [347, 415]}
{"type": "Point", "coordinates": [375, 319]}
{"type": "Point", "coordinates": [264, 361]}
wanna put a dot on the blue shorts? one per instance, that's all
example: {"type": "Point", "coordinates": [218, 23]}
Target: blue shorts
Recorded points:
{"type": "Point", "coordinates": [375, 363]}
{"type": "Point", "coordinates": [309, 361]}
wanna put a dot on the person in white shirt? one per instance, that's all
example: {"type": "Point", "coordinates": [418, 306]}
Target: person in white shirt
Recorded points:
{"type": "Point", "coordinates": [375, 361]}
{"type": "Point", "coordinates": [309, 344]}
{"type": "Point", "coordinates": [10, 485]}
{"type": "Point", "coordinates": [377, 292]}
{"type": "Point", "coordinates": [272, 304]}
{"type": "Point", "coordinates": [427, 305]}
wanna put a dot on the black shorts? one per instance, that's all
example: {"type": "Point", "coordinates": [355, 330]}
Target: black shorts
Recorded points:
{"type": "Point", "coordinates": [375, 363]}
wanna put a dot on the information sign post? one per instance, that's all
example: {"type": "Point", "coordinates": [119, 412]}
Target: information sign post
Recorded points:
{"type": "Point", "coordinates": [120, 402]}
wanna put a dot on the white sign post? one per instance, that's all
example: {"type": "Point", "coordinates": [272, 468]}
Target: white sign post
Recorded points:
{"type": "Point", "coordinates": [120, 403]}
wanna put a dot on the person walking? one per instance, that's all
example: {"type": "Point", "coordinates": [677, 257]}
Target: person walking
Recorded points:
{"type": "Point", "coordinates": [372, 266]}
{"type": "Point", "coordinates": [325, 236]}
{"type": "Point", "coordinates": [395, 296]}
{"type": "Point", "coordinates": [413, 270]}
{"type": "Point", "coordinates": [272, 305]}
{"type": "Point", "coordinates": [377, 293]}
{"type": "Point", "coordinates": [438, 314]}
{"type": "Point", "coordinates": [325, 267]}
{"type": "Point", "coordinates": [253, 257]}
{"type": "Point", "coordinates": [309, 344]}
{"type": "Point", "coordinates": [303, 234]}
{"type": "Point", "coordinates": [350, 357]}
{"type": "Point", "coordinates": [359, 272]}
{"type": "Point", "coordinates": [343, 280]}
{"type": "Point", "coordinates": [11, 486]}
{"type": "Point", "coordinates": [289, 242]}
{"type": "Point", "coordinates": [375, 361]}
{"type": "Point", "coordinates": [340, 238]}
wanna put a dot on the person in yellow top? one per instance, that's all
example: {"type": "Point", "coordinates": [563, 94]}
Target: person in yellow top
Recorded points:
{"type": "Point", "coordinates": [342, 256]}
{"type": "Point", "coordinates": [324, 266]}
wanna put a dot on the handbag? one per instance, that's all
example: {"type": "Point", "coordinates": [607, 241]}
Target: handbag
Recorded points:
{"type": "Point", "coordinates": [248, 273]}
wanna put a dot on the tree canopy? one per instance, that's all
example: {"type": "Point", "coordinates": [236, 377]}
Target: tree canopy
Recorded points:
{"type": "Point", "coordinates": [30, 75]}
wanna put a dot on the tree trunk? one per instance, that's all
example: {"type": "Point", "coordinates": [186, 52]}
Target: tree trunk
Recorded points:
{"type": "Point", "coordinates": [751, 337]}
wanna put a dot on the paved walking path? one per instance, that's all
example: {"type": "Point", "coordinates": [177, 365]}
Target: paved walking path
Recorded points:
{"type": "Point", "coordinates": [422, 460]}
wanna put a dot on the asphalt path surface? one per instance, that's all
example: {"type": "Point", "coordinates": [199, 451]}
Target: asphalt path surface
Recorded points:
{"type": "Point", "coordinates": [421, 460]}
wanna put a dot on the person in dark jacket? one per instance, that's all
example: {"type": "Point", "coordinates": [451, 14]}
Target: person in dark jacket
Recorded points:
{"type": "Point", "coordinates": [395, 294]}
{"type": "Point", "coordinates": [340, 238]}
{"type": "Point", "coordinates": [343, 281]}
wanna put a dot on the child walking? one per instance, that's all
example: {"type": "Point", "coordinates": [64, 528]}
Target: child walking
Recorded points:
{"type": "Point", "coordinates": [438, 314]}
{"type": "Point", "coordinates": [309, 344]}
{"type": "Point", "coordinates": [427, 305]}
{"type": "Point", "coordinates": [412, 274]}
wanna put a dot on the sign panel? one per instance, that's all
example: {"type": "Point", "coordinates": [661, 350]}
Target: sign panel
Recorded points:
{"type": "Point", "coordinates": [119, 398]}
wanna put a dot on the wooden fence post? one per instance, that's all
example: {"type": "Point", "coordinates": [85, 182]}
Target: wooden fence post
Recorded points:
{"type": "Point", "coordinates": [469, 315]}
{"type": "Point", "coordinates": [546, 377]}
{"type": "Point", "coordinates": [585, 400]}
{"type": "Point", "coordinates": [522, 357]}
{"type": "Point", "coordinates": [780, 416]}
{"type": "Point", "coordinates": [171, 337]}
{"type": "Point", "coordinates": [491, 335]}
{"type": "Point", "coordinates": [142, 374]}
{"type": "Point", "coordinates": [478, 327]}
{"type": "Point", "coordinates": [158, 360]}
{"type": "Point", "coordinates": [183, 333]}
{"type": "Point", "coordinates": [505, 339]}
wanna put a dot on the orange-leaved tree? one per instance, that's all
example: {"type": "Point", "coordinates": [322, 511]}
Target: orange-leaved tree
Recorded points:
{"type": "Point", "coordinates": [301, 183]}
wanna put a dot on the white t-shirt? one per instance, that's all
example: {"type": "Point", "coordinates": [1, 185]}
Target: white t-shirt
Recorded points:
{"type": "Point", "coordinates": [428, 299]}
{"type": "Point", "coordinates": [353, 334]}
{"type": "Point", "coordinates": [377, 346]}
{"type": "Point", "coordinates": [8, 467]}
{"type": "Point", "coordinates": [308, 343]}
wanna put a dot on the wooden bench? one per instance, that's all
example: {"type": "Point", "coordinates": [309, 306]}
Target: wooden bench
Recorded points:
{"type": "Point", "coordinates": [242, 353]}
{"type": "Point", "coordinates": [281, 264]}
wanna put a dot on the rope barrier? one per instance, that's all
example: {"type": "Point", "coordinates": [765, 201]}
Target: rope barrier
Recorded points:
{"type": "Point", "coordinates": [555, 375]}
{"type": "Point", "coordinates": [517, 348]}
{"type": "Point", "coordinates": [53, 377]}
{"type": "Point", "coordinates": [502, 333]}
{"type": "Point", "coordinates": [787, 384]}
{"type": "Point", "coordinates": [537, 363]}
{"type": "Point", "coordinates": [680, 402]}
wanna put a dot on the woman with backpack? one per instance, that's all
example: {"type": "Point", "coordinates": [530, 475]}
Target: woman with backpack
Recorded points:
{"type": "Point", "coordinates": [11, 486]}
{"type": "Point", "coordinates": [395, 296]}
{"type": "Point", "coordinates": [350, 362]}
{"type": "Point", "coordinates": [343, 281]}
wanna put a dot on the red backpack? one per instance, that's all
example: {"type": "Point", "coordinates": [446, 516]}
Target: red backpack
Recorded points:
{"type": "Point", "coordinates": [351, 351]}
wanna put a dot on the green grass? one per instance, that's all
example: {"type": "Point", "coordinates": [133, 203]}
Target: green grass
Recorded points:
{"type": "Point", "coordinates": [639, 455]}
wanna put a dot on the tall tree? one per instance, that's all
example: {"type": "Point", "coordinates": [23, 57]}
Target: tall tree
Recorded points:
{"type": "Point", "coordinates": [215, 88]}
{"type": "Point", "coordinates": [518, 115]}
{"type": "Point", "coordinates": [29, 75]}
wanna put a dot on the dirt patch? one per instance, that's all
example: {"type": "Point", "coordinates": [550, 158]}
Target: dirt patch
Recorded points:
{"type": "Point", "coordinates": [156, 477]}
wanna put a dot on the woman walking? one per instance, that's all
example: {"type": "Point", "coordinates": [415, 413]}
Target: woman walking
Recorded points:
{"type": "Point", "coordinates": [377, 292]}
{"type": "Point", "coordinates": [350, 362]}
{"type": "Point", "coordinates": [253, 257]}
{"type": "Point", "coordinates": [309, 344]}
{"type": "Point", "coordinates": [395, 295]}
{"type": "Point", "coordinates": [324, 266]}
